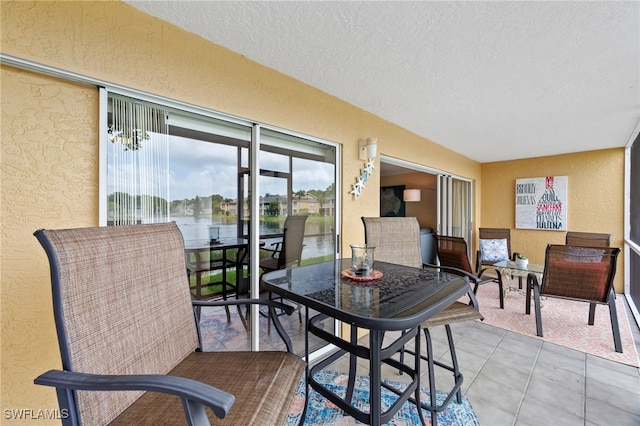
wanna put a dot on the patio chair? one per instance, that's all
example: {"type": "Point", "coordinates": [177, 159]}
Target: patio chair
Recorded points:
{"type": "Point", "coordinates": [587, 239]}
{"type": "Point", "coordinates": [584, 274]}
{"type": "Point", "coordinates": [288, 252]}
{"type": "Point", "coordinates": [495, 246]}
{"type": "Point", "coordinates": [397, 240]}
{"type": "Point", "coordinates": [452, 252]}
{"type": "Point", "coordinates": [129, 343]}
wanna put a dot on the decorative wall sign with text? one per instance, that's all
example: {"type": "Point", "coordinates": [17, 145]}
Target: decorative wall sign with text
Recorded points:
{"type": "Point", "coordinates": [541, 203]}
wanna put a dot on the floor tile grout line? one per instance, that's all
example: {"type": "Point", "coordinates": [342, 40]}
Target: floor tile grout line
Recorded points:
{"type": "Point", "coordinates": [584, 391]}
{"type": "Point", "coordinates": [526, 387]}
{"type": "Point", "coordinates": [487, 357]}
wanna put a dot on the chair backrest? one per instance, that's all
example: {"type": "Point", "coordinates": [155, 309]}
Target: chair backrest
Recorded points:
{"type": "Point", "coordinates": [121, 305]}
{"type": "Point", "coordinates": [587, 239]}
{"type": "Point", "coordinates": [584, 273]}
{"type": "Point", "coordinates": [292, 241]}
{"type": "Point", "coordinates": [496, 234]}
{"type": "Point", "coordinates": [396, 239]}
{"type": "Point", "coordinates": [452, 252]}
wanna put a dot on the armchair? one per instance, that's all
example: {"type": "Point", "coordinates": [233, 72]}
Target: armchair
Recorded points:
{"type": "Point", "coordinates": [495, 246]}
{"type": "Point", "coordinates": [583, 274]}
{"type": "Point", "coordinates": [129, 341]}
{"type": "Point", "coordinates": [452, 252]}
{"type": "Point", "coordinates": [498, 239]}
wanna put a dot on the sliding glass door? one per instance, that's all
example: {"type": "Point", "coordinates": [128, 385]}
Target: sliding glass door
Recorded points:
{"type": "Point", "coordinates": [455, 208]}
{"type": "Point", "coordinates": [164, 163]}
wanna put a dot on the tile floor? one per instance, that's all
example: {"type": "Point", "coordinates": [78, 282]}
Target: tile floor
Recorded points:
{"type": "Point", "coordinates": [511, 379]}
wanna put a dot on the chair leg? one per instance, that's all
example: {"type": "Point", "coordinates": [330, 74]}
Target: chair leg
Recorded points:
{"type": "Point", "coordinates": [401, 354]}
{"type": "Point", "coordinates": [592, 313]}
{"type": "Point", "coordinates": [501, 289]}
{"type": "Point", "coordinates": [613, 313]}
{"type": "Point", "coordinates": [457, 376]}
{"type": "Point", "coordinates": [536, 301]}
{"type": "Point", "coordinates": [432, 379]}
{"type": "Point", "coordinates": [454, 362]}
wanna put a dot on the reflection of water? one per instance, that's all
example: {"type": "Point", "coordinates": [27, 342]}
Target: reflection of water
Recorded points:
{"type": "Point", "coordinates": [319, 241]}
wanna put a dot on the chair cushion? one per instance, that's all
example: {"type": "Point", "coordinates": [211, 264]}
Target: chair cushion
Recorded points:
{"type": "Point", "coordinates": [584, 254]}
{"type": "Point", "coordinates": [494, 250]}
{"type": "Point", "coordinates": [457, 312]}
{"type": "Point", "coordinates": [263, 384]}
{"type": "Point", "coordinates": [269, 264]}
{"type": "Point", "coordinates": [586, 281]}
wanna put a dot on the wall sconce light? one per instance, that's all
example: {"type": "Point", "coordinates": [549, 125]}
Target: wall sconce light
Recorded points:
{"type": "Point", "coordinates": [367, 148]}
{"type": "Point", "coordinates": [410, 195]}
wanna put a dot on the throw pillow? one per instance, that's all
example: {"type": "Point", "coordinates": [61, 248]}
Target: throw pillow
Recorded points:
{"type": "Point", "coordinates": [494, 250]}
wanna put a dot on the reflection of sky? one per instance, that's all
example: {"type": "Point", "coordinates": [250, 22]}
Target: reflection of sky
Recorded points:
{"type": "Point", "coordinates": [203, 169]}
{"type": "Point", "coordinates": [200, 168]}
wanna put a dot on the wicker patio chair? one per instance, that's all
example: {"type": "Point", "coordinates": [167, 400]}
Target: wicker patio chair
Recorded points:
{"type": "Point", "coordinates": [587, 239]}
{"type": "Point", "coordinates": [583, 274]}
{"type": "Point", "coordinates": [452, 252]}
{"type": "Point", "coordinates": [397, 240]}
{"type": "Point", "coordinates": [129, 343]}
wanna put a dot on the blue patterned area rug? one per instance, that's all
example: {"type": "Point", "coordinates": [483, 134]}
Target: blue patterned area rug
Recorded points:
{"type": "Point", "coordinates": [322, 412]}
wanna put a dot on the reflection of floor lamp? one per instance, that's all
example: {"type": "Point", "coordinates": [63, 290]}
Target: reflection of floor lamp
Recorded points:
{"type": "Point", "coordinates": [411, 195]}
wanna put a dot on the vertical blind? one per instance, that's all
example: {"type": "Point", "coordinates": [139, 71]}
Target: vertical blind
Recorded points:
{"type": "Point", "coordinates": [138, 165]}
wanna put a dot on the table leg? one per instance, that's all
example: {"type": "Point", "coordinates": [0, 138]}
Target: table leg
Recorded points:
{"type": "Point", "coordinates": [375, 384]}
{"type": "Point", "coordinates": [306, 368]}
{"type": "Point", "coordinates": [353, 363]}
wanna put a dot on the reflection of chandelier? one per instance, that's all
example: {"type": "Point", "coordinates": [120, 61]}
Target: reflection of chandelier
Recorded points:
{"type": "Point", "coordinates": [131, 139]}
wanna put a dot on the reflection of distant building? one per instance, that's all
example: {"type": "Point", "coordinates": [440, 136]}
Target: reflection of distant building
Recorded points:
{"type": "Point", "coordinates": [306, 204]}
{"type": "Point", "coordinates": [328, 208]}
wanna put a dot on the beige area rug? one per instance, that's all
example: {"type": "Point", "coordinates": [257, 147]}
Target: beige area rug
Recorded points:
{"type": "Point", "coordinates": [564, 322]}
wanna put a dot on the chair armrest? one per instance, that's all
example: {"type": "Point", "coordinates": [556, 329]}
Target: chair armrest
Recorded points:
{"type": "Point", "coordinates": [473, 301]}
{"type": "Point", "coordinates": [457, 271]}
{"type": "Point", "coordinates": [274, 250]}
{"type": "Point", "coordinates": [272, 304]}
{"type": "Point", "coordinates": [194, 395]}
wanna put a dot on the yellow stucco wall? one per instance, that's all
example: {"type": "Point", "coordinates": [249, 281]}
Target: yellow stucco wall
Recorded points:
{"type": "Point", "coordinates": [49, 168]}
{"type": "Point", "coordinates": [49, 148]}
{"type": "Point", "coordinates": [595, 199]}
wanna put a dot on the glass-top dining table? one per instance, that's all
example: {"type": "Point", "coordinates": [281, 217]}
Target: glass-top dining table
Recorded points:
{"type": "Point", "coordinates": [399, 300]}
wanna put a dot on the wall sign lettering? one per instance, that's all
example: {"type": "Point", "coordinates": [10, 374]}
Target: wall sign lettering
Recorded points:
{"type": "Point", "coordinates": [541, 203]}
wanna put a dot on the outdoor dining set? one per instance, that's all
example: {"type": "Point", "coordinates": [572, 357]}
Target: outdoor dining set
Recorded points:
{"type": "Point", "coordinates": [132, 352]}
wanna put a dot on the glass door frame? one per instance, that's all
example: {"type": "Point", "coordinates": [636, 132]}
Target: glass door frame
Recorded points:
{"type": "Point", "coordinates": [444, 197]}
{"type": "Point", "coordinates": [253, 164]}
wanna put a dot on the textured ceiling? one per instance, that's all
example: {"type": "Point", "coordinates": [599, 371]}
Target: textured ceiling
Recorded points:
{"type": "Point", "coordinates": [490, 80]}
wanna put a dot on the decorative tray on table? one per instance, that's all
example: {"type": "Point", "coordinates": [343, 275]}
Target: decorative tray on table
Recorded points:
{"type": "Point", "coordinates": [375, 274]}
